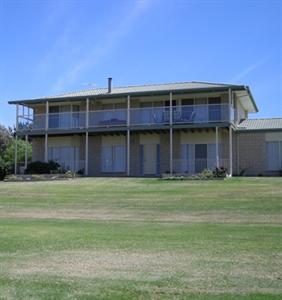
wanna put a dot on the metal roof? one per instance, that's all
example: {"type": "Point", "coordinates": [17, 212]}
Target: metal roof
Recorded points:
{"type": "Point", "coordinates": [142, 88]}
{"type": "Point", "coordinates": [260, 124]}
{"type": "Point", "coordinates": [178, 87]}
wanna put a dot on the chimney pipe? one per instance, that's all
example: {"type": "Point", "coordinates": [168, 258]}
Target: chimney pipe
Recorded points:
{"type": "Point", "coordinates": [110, 84]}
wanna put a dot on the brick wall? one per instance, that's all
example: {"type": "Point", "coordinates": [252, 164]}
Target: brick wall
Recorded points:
{"type": "Point", "coordinates": [251, 153]}
{"type": "Point", "coordinates": [38, 149]}
{"type": "Point", "coordinates": [94, 155]}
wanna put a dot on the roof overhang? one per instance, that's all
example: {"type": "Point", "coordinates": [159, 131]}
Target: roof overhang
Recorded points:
{"type": "Point", "coordinates": [243, 92]}
{"type": "Point", "coordinates": [247, 99]}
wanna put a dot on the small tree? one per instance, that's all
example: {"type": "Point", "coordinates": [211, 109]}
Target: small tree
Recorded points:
{"type": "Point", "coordinates": [9, 154]}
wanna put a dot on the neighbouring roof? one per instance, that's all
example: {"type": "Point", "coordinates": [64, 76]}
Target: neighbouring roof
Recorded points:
{"type": "Point", "coordinates": [193, 86]}
{"type": "Point", "coordinates": [260, 124]}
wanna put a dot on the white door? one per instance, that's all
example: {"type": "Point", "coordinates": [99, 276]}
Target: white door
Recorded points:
{"type": "Point", "coordinates": [150, 159]}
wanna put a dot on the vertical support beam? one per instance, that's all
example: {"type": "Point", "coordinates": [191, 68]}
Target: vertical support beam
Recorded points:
{"type": "Point", "coordinates": [86, 137]}
{"type": "Point", "coordinates": [46, 148]}
{"type": "Point", "coordinates": [26, 148]}
{"type": "Point", "coordinates": [230, 152]}
{"type": "Point", "coordinates": [216, 147]}
{"type": "Point", "coordinates": [46, 130]}
{"type": "Point", "coordinates": [128, 137]}
{"type": "Point", "coordinates": [47, 116]}
{"type": "Point", "coordinates": [16, 139]}
{"type": "Point", "coordinates": [86, 153]}
{"type": "Point", "coordinates": [87, 114]}
{"type": "Point", "coordinates": [170, 135]}
{"type": "Point", "coordinates": [16, 154]}
{"type": "Point", "coordinates": [238, 154]}
{"type": "Point", "coordinates": [230, 104]}
{"type": "Point", "coordinates": [128, 153]}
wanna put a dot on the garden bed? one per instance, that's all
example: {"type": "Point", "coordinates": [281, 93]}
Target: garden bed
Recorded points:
{"type": "Point", "coordinates": [40, 177]}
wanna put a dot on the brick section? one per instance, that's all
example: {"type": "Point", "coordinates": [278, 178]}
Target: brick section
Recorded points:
{"type": "Point", "coordinates": [252, 154]}
{"type": "Point", "coordinates": [164, 152]}
{"type": "Point", "coordinates": [94, 155]}
{"type": "Point", "coordinates": [134, 154]}
{"type": "Point", "coordinates": [38, 149]}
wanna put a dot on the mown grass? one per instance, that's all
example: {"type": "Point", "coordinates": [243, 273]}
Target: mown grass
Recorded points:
{"type": "Point", "coordinates": [141, 239]}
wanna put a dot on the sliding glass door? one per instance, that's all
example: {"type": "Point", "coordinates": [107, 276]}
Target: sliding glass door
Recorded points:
{"type": "Point", "coordinates": [197, 157]}
{"type": "Point", "coordinates": [113, 159]}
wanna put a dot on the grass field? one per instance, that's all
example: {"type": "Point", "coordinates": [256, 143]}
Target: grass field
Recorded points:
{"type": "Point", "coordinates": [141, 239]}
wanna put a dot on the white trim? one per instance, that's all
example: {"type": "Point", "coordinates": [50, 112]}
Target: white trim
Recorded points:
{"type": "Point", "coordinates": [26, 149]}
{"type": "Point", "coordinates": [216, 147]}
{"type": "Point", "coordinates": [86, 153]}
{"type": "Point", "coordinates": [230, 152]}
{"type": "Point", "coordinates": [46, 148]}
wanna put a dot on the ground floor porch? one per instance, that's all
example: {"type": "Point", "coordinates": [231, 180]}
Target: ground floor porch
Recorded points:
{"type": "Point", "coordinates": [142, 153]}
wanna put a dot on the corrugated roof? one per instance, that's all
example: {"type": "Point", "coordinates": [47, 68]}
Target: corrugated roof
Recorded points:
{"type": "Point", "coordinates": [149, 88]}
{"type": "Point", "coordinates": [261, 124]}
{"type": "Point", "coordinates": [142, 88]}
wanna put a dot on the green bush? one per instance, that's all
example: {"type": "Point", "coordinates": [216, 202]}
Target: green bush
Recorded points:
{"type": "Point", "coordinates": [220, 172]}
{"type": "Point", "coordinates": [39, 167]}
{"type": "Point", "coordinates": [3, 169]}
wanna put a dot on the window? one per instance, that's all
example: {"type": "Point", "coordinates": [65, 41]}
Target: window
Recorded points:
{"type": "Point", "coordinates": [66, 156]}
{"type": "Point", "coordinates": [197, 157]}
{"type": "Point", "coordinates": [113, 158]}
{"type": "Point", "coordinates": [274, 155]}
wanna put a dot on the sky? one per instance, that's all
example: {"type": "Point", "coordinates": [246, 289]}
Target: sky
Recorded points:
{"type": "Point", "coordinates": [54, 46]}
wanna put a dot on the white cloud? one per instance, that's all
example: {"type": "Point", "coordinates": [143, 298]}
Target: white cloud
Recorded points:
{"type": "Point", "coordinates": [105, 46]}
{"type": "Point", "coordinates": [245, 72]}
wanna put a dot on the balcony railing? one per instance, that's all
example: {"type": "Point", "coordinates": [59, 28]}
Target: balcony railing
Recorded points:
{"type": "Point", "coordinates": [187, 114]}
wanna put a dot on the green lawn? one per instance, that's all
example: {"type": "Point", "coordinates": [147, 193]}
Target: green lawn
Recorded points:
{"type": "Point", "coordinates": [99, 238]}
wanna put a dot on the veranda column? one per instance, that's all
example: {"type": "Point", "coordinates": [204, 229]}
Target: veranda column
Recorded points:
{"type": "Point", "coordinates": [170, 136]}
{"type": "Point", "coordinates": [216, 147]}
{"type": "Point", "coordinates": [16, 139]}
{"type": "Point", "coordinates": [230, 152]}
{"type": "Point", "coordinates": [26, 148]}
{"type": "Point", "coordinates": [128, 137]}
{"type": "Point", "coordinates": [230, 103]}
{"type": "Point", "coordinates": [46, 130]}
{"type": "Point", "coordinates": [86, 136]}
{"type": "Point", "coordinates": [230, 100]}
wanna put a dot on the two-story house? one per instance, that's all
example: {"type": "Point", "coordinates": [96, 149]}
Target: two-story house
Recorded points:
{"type": "Point", "coordinates": [148, 130]}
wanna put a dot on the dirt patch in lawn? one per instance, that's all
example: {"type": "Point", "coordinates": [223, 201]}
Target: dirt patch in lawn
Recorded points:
{"type": "Point", "coordinates": [187, 271]}
{"type": "Point", "coordinates": [132, 215]}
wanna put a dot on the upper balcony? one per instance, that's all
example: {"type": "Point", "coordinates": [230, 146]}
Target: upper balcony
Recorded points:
{"type": "Point", "coordinates": [134, 117]}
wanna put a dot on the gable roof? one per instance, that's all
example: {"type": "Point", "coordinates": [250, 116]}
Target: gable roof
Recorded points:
{"type": "Point", "coordinates": [177, 87]}
{"type": "Point", "coordinates": [260, 124]}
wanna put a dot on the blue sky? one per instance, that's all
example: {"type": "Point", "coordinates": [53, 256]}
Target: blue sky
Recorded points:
{"type": "Point", "coordinates": [54, 46]}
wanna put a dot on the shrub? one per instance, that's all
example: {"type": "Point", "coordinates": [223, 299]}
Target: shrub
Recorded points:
{"type": "Point", "coordinates": [3, 169]}
{"type": "Point", "coordinates": [39, 167]}
{"type": "Point", "coordinates": [220, 172]}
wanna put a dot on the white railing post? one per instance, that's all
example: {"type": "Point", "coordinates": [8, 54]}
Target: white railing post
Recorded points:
{"type": "Point", "coordinates": [86, 136]}
{"type": "Point", "coordinates": [87, 113]}
{"type": "Point", "coordinates": [230, 104]}
{"type": "Point", "coordinates": [128, 135]}
{"type": "Point", "coordinates": [170, 136]}
{"type": "Point", "coordinates": [216, 147]}
{"type": "Point", "coordinates": [26, 148]}
{"type": "Point", "coordinates": [46, 130]}
{"type": "Point", "coordinates": [230, 152]}
{"type": "Point", "coordinates": [86, 153]}
{"type": "Point", "coordinates": [16, 139]}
